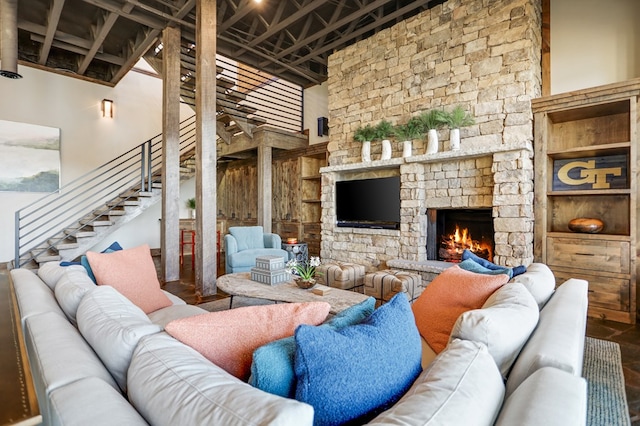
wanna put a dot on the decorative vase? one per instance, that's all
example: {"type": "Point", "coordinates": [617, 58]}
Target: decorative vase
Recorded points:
{"type": "Point", "coordinates": [386, 149]}
{"type": "Point", "coordinates": [192, 213]}
{"type": "Point", "coordinates": [454, 139]}
{"type": "Point", "coordinates": [305, 284]}
{"type": "Point", "coordinates": [366, 151]}
{"type": "Point", "coordinates": [406, 149]}
{"type": "Point", "coordinates": [432, 141]}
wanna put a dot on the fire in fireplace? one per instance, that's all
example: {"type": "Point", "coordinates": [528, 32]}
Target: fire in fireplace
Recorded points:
{"type": "Point", "coordinates": [451, 231]}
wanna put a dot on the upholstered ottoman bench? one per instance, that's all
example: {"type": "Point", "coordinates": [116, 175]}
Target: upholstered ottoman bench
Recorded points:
{"type": "Point", "coordinates": [342, 275]}
{"type": "Point", "coordinates": [385, 284]}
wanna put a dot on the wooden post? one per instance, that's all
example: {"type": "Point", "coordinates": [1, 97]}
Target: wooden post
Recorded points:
{"type": "Point", "coordinates": [206, 264]}
{"type": "Point", "coordinates": [169, 233]}
{"type": "Point", "coordinates": [264, 187]}
{"type": "Point", "coordinates": [546, 47]}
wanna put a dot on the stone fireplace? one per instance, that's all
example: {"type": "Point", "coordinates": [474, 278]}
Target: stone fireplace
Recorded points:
{"type": "Point", "coordinates": [483, 57]}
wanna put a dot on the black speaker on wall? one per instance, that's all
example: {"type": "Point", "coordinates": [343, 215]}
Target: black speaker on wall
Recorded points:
{"type": "Point", "coordinates": [323, 126]}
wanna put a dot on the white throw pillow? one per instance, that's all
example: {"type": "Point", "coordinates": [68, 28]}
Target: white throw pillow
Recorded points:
{"type": "Point", "coordinates": [51, 272]}
{"type": "Point", "coordinates": [503, 324]}
{"type": "Point", "coordinates": [540, 282]}
{"type": "Point", "coordinates": [462, 386]}
{"type": "Point", "coordinates": [113, 325]}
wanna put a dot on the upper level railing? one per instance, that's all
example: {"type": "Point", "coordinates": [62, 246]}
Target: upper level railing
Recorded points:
{"type": "Point", "coordinates": [76, 206]}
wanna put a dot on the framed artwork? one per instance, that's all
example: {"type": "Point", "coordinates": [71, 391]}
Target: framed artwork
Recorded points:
{"type": "Point", "coordinates": [29, 157]}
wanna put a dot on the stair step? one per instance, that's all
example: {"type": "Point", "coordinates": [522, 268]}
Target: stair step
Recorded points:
{"type": "Point", "coordinates": [66, 245]}
{"type": "Point", "coordinates": [145, 194]}
{"type": "Point", "coordinates": [47, 256]}
{"type": "Point", "coordinates": [225, 82]}
{"type": "Point", "coordinates": [80, 233]}
{"type": "Point", "coordinates": [96, 222]}
{"type": "Point", "coordinates": [124, 203]}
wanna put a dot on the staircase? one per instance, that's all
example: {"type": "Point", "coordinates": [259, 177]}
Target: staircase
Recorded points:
{"type": "Point", "coordinates": [104, 199]}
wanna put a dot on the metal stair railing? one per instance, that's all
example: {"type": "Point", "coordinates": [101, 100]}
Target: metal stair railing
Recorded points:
{"type": "Point", "coordinates": [76, 206]}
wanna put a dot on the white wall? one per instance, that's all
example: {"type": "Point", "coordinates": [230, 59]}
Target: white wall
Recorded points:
{"type": "Point", "coordinates": [87, 140]}
{"type": "Point", "coordinates": [593, 42]}
{"type": "Point", "coordinates": [316, 104]}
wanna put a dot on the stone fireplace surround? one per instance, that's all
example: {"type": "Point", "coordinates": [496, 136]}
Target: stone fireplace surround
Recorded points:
{"type": "Point", "coordinates": [499, 177]}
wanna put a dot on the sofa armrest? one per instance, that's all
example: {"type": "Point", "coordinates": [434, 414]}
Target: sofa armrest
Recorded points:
{"type": "Point", "coordinates": [230, 244]}
{"type": "Point", "coordinates": [272, 241]}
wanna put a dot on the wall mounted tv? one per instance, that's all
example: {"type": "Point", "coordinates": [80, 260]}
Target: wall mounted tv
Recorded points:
{"type": "Point", "coordinates": [368, 203]}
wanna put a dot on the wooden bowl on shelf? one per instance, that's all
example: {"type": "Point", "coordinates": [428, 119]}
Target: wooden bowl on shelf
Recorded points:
{"type": "Point", "coordinates": [586, 225]}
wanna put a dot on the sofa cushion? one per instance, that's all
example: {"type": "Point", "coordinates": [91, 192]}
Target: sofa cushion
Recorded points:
{"type": "Point", "coordinates": [558, 340]}
{"type": "Point", "coordinates": [133, 273]}
{"type": "Point", "coordinates": [450, 294]}
{"type": "Point", "coordinates": [58, 355]}
{"type": "Point", "coordinates": [548, 397]}
{"type": "Point", "coordinates": [248, 237]}
{"type": "Point", "coordinates": [70, 290]}
{"type": "Point", "coordinates": [172, 384]}
{"type": "Point", "coordinates": [33, 295]}
{"type": "Point", "coordinates": [354, 373]}
{"type": "Point", "coordinates": [51, 272]}
{"type": "Point", "coordinates": [228, 338]}
{"type": "Point", "coordinates": [503, 324]}
{"type": "Point", "coordinates": [164, 316]}
{"type": "Point", "coordinates": [113, 326]}
{"type": "Point", "coordinates": [108, 407]}
{"type": "Point", "coordinates": [540, 282]}
{"type": "Point", "coordinates": [462, 386]}
{"type": "Point", "coordinates": [272, 365]}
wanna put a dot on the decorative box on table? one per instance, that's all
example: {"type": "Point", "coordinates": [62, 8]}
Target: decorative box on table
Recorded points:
{"type": "Point", "coordinates": [270, 270]}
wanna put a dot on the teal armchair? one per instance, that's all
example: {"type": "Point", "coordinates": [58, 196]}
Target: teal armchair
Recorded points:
{"type": "Point", "coordinates": [244, 243]}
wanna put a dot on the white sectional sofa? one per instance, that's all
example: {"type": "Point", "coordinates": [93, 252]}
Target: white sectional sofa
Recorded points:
{"type": "Point", "coordinates": [97, 359]}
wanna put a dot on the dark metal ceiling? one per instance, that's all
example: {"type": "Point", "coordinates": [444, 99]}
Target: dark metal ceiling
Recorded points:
{"type": "Point", "coordinates": [102, 40]}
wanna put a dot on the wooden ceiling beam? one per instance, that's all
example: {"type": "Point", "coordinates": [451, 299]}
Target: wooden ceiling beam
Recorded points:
{"type": "Point", "coordinates": [52, 25]}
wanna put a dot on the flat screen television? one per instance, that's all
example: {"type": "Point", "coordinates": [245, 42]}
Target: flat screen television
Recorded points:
{"type": "Point", "coordinates": [368, 203]}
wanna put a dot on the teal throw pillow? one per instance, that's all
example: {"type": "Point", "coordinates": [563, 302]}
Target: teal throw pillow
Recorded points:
{"type": "Point", "coordinates": [272, 366]}
{"type": "Point", "coordinates": [351, 375]}
{"type": "Point", "coordinates": [85, 262]}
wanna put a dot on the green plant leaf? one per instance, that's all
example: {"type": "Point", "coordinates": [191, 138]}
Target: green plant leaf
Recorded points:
{"type": "Point", "coordinates": [458, 117]}
{"type": "Point", "coordinates": [384, 130]}
{"type": "Point", "coordinates": [364, 134]}
{"type": "Point", "coordinates": [432, 119]}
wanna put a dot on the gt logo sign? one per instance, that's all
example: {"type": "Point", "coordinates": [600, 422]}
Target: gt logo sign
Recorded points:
{"type": "Point", "coordinates": [590, 173]}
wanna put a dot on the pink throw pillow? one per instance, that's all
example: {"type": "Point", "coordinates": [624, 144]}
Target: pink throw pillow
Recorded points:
{"type": "Point", "coordinates": [133, 274]}
{"type": "Point", "coordinates": [229, 338]}
{"type": "Point", "coordinates": [449, 295]}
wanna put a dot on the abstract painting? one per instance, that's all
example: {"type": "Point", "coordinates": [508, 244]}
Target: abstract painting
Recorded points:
{"type": "Point", "coordinates": [29, 157]}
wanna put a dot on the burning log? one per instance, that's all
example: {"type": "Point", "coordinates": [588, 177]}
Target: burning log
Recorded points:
{"type": "Point", "coordinates": [453, 245]}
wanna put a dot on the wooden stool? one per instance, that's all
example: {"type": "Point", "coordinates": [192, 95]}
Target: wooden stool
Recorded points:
{"type": "Point", "coordinates": [186, 242]}
{"type": "Point", "coordinates": [385, 284]}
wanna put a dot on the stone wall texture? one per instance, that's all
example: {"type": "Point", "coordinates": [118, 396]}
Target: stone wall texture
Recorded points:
{"type": "Point", "coordinates": [481, 54]}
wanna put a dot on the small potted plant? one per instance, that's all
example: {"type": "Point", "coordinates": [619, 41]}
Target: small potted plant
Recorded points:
{"type": "Point", "coordinates": [431, 121]}
{"type": "Point", "coordinates": [455, 119]}
{"type": "Point", "coordinates": [365, 135]}
{"type": "Point", "coordinates": [384, 131]}
{"type": "Point", "coordinates": [304, 273]}
{"type": "Point", "coordinates": [406, 133]}
{"type": "Point", "coordinates": [191, 205]}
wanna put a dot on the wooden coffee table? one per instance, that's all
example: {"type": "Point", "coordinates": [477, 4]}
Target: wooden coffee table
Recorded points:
{"type": "Point", "coordinates": [240, 284]}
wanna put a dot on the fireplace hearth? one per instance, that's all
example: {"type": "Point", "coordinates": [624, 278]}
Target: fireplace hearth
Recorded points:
{"type": "Point", "coordinates": [451, 231]}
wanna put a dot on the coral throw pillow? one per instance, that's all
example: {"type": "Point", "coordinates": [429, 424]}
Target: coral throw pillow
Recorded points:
{"type": "Point", "coordinates": [133, 274]}
{"type": "Point", "coordinates": [450, 294]}
{"type": "Point", "coordinates": [228, 338]}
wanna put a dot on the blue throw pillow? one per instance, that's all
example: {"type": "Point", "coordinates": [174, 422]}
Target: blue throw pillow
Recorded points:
{"type": "Point", "coordinates": [351, 375]}
{"type": "Point", "coordinates": [85, 262]}
{"type": "Point", "coordinates": [469, 255]}
{"type": "Point", "coordinates": [472, 266]}
{"type": "Point", "coordinates": [65, 263]}
{"type": "Point", "coordinates": [272, 367]}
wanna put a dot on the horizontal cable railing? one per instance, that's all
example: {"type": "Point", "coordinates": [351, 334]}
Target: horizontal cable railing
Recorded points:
{"type": "Point", "coordinates": [55, 217]}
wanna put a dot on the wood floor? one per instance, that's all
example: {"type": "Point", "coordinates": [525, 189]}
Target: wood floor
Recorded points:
{"type": "Point", "coordinates": [14, 398]}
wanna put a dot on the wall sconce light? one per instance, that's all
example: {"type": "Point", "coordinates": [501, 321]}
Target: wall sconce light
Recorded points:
{"type": "Point", "coordinates": [107, 108]}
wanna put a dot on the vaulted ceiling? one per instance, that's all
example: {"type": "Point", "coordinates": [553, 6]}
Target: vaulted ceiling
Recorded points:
{"type": "Point", "coordinates": [101, 40]}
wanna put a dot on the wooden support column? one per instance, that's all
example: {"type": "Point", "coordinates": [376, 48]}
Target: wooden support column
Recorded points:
{"type": "Point", "coordinates": [546, 47]}
{"type": "Point", "coordinates": [169, 233]}
{"type": "Point", "coordinates": [264, 187]}
{"type": "Point", "coordinates": [206, 264]}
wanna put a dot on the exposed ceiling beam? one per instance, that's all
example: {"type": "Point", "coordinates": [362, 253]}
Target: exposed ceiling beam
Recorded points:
{"type": "Point", "coordinates": [52, 24]}
{"type": "Point", "coordinates": [245, 7]}
{"type": "Point", "coordinates": [140, 18]}
{"type": "Point", "coordinates": [78, 49]}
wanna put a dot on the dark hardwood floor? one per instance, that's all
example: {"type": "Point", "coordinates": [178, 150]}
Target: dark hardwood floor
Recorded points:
{"type": "Point", "coordinates": [14, 396]}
